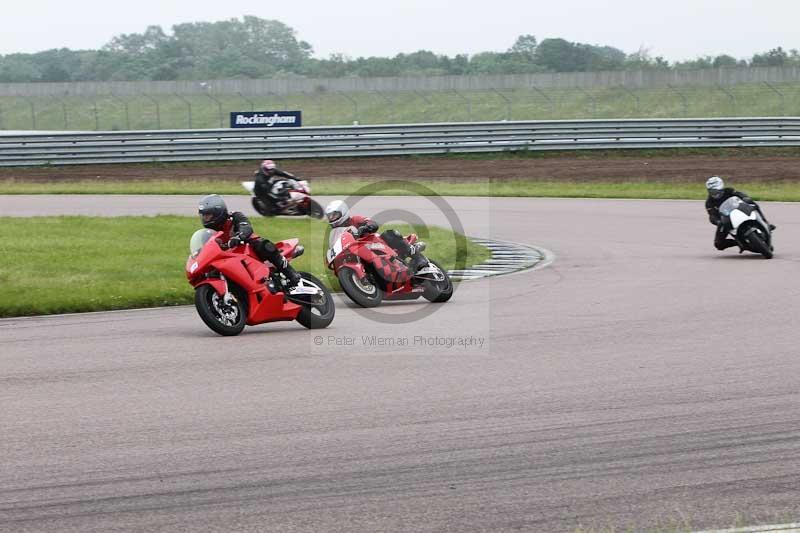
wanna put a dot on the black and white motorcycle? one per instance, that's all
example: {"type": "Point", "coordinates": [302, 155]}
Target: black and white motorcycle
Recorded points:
{"type": "Point", "coordinates": [299, 203]}
{"type": "Point", "coordinates": [746, 225]}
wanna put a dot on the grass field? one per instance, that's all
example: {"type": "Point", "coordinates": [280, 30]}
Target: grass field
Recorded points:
{"type": "Point", "coordinates": [74, 264]}
{"type": "Point", "coordinates": [775, 191]}
{"type": "Point", "coordinates": [173, 112]}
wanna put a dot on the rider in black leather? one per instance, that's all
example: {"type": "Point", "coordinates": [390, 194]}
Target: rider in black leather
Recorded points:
{"type": "Point", "coordinates": [717, 194]}
{"type": "Point", "coordinates": [272, 185]}
{"type": "Point", "coordinates": [237, 229]}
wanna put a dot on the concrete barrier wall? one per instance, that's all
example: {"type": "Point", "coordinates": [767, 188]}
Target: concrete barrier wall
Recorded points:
{"type": "Point", "coordinates": [633, 79]}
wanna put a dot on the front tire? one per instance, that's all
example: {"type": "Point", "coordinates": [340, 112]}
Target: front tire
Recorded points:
{"type": "Point", "coordinates": [225, 319]}
{"type": "Point", "coordinates": [759, 246]}
{"type": "Point", "coordinates": [317, 316]}
{"type": "Point", "coordinates": [438, 291]}
{"type": "Point", "coordinates": [365, 292]}
{"type": "Point", "coordinates": [262, 208]}
{"type": "Point", "coordinates": [315, 210]}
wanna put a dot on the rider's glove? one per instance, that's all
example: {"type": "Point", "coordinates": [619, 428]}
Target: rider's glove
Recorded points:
{"type": "Point", "coordinates": [356, 232]}
{"type": "Point", "coordinates": [234, 242]}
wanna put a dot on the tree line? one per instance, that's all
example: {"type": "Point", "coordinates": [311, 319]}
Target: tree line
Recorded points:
{"type": "Point", "coordinates": [253, 47]}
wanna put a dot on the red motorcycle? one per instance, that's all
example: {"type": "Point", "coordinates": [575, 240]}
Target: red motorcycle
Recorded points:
{"type": "Point", "coordinates": [234, 288]}
{"type": "Point", "coordinates": [369, 271]}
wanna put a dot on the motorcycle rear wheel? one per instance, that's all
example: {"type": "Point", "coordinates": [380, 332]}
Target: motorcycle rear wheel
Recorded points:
{"type": "Point", "coordinates": [211, 309]}
{"type": "Point", "coordinates": [438, 291]}
{"type": "Point", "coordinates": [317, 316]}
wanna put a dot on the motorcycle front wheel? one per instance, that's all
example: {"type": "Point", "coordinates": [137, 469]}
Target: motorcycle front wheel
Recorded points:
{"type": "Point", "coordinates": [759, 245]}
{"type": "Point", "coordinates": [262, 208]}
{"type": "Point", "coordinates": [315, 210]}
{"type": "Point", "coordinates": [226, 319]}
{"type": "Point", "coordinates": [365, 292]}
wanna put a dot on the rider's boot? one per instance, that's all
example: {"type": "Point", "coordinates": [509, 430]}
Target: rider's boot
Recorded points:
{"type": "Point", "coordinates": [417, 259]}
{"type": "Point", "coordinates": [291, 275]}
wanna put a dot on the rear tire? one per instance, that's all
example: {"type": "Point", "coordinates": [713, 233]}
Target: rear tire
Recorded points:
{"type": "Point", "coordinates": [365, 293]}
{"type": "Point", "coordinates": [315, 210]}
{"type": "Point", "coordinates": [317, 317]}
{"type": "Point", "coordinates": [438, 291]}
{"type": "Point", "coordinates": [224, 320]}
{"type": "Point", "coordinates": [758, 244]}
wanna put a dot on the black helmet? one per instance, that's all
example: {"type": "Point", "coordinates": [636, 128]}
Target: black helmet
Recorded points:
{"type": "Point", "coordinates": [213, 211]}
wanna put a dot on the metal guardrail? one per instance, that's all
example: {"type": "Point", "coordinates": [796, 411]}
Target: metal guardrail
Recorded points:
{"type": "Point", "coordinates": [72, 148]}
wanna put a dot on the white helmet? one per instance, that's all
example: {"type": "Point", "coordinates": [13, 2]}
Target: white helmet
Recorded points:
{"type": "Point", "coordinates": [337, 213]}
{"type": "Point", "coordinates": [715, 183]}
{"type": "Point", "coordinates": [715, 186]}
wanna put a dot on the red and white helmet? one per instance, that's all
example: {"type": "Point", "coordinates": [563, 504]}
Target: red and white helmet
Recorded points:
{"type": "Point", "coordinates": [268, 166]}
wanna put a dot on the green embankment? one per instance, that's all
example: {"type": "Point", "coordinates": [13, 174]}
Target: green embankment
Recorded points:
{"type": "Point", "coordinates": [76, 264]}
{"type": "Point", "coordinates": [326, 108]}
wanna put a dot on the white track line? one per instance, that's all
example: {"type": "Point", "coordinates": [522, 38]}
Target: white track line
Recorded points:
{"type": "Point", "coordinates": [793, 527]}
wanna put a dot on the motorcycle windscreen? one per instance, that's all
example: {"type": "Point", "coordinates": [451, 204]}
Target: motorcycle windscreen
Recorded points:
{"type": "Point", "coordinates": [198, 240]}
{"type": "Point", "coordinates": [335, 244]}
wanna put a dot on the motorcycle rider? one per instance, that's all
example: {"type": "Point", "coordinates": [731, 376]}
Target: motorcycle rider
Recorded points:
{"type": "Point", "coordinates": [717, 194]}
{"type": "Point", "coordinates": [338, 215]}
{"type": "Point", "coordinates": [236, 230]}
{"type": "Point", "coordinates": [272, 185]}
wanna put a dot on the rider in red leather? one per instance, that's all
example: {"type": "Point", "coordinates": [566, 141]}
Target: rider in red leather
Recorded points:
{"type": "Point", "coordinates": [338, 215]}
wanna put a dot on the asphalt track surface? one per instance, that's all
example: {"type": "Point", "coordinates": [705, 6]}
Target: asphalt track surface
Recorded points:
{"type": "Point", "coordinates": [643, 380]}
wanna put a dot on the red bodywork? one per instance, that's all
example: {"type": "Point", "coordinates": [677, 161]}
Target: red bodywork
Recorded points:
{"type": "Point", "coordinates": [393, 275]}
{"type": "Point", "coordinates": [242, 267]}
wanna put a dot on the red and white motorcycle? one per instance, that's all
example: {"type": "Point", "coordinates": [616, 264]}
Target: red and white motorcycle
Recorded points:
{"type": "Point", "coordinates": [299, 203]}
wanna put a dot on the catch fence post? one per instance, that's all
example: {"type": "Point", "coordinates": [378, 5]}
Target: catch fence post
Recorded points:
{"type": "Point", "coordinates": [469, 104]}
{"type": "Point", "coordinates": [355, 106]}
{"type": "Point", "coordinates": [125, 106]}
{"type": "Point", "coordinates": [246, 99]}
{"type": "Point", "coordinates": [546, 97]}
{"type": "Point", "coordinates": [391, 105]}
{"type": "Point", "coordinates": [683, 99]}
{"type": "Point", "coordinates": [158, 110]}
{"type": "Point", "coordinates": [592, 98]}
{"type": "Point", "coordinates": [635, 97]}
{"type": "Point", "coordinates": [96, 115]}
{"type": "Point", "coordinates": [776, 91]}
{"type": "Point", "coordinates": [32, 105]}
{"type": "Point", "coordinates": [219, 107]}
{"type": "Point", "coordinates": [729, 94]}
{"type": "Point", "coordinates": [507, 100]}
{"type": "Point", "coordinates": [425, 99]}
{"type": "Point", "coordinates": [64, 112]}
{"type": "Point", "coordinates": [188, 107]}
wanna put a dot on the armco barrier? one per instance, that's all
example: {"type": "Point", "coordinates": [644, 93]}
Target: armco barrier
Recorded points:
{"type": "Point", "coordinates": [339, 141]}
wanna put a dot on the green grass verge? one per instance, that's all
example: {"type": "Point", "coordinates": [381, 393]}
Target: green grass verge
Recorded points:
{"type": "Point", "coordinates": [77, 264]}
{"type": "Point", "coordinates": [324, 108]}
{"type": "Point", "coordinates": [768, 191]}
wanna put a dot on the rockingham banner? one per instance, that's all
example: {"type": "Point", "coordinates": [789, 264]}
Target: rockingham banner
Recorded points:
{"type": "Point", "coordinates": [266, 119]}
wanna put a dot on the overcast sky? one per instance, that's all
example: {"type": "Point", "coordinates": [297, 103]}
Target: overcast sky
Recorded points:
{"type": "Point", "coordinates": [675, 29]}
